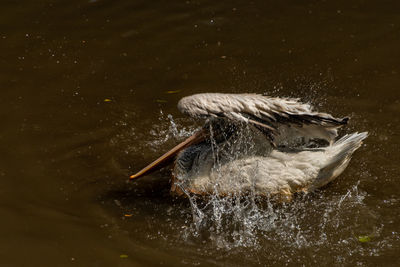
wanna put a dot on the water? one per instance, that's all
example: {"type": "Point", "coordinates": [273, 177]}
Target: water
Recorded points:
{"type": "Point", "coordinates": [89, 93]}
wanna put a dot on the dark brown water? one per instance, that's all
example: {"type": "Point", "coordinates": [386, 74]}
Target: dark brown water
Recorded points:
{"type": "Point", "coordinates": [84, 103]}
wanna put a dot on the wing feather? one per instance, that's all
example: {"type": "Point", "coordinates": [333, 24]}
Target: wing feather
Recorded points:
{"type": "Point", "coordinates": [284, 117]}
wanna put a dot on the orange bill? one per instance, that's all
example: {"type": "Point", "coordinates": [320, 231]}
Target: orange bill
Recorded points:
{"type": "Point", "coordinates": [170, 155]}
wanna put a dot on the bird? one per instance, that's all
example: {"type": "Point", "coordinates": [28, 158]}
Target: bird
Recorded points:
{"type": "Point", "coordinates": [256, 144]}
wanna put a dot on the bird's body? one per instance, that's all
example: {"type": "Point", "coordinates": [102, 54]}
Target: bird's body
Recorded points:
{"type": "Point", "coordinates": [259, 145]}
{"type": "Point", "coordinates": [275, 173]}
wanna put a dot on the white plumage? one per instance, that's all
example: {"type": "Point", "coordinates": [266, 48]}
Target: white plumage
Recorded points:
{"type": "Point", "coordinates": [257, 144]}
{"type": "Point", "coordinates": [234, 106]}
{"type": "Point", "coordinates": [277, 173]}
{"type": "Point", "coordinates": [273, 113]}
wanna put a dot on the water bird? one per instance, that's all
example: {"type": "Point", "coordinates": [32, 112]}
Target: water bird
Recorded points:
{"type": "Point", "coordinates": [256, 144]}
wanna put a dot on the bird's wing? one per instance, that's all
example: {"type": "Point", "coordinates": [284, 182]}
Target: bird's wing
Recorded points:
{"type": "Point", "coordinates": [282, 118]}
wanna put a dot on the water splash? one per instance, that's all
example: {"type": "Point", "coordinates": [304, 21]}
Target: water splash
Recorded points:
{"type": "Point", "coordinates": [166, 132]}
{"type": "Point", "coordinates": [252, 222]}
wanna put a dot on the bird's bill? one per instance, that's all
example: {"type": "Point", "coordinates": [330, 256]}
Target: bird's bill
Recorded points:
{"type": "Point", "coordinates": [170, 155]}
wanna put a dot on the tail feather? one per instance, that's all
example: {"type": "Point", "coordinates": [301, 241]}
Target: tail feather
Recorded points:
{"type": "Point", "coordinates": [346, 145]}
{"type": "Point", "coordinates": [341, 152]}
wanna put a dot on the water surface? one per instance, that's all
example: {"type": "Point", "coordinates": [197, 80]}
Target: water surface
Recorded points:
{"type": "Point", "coordinates": [88, 96]}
